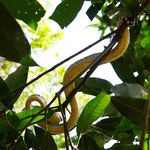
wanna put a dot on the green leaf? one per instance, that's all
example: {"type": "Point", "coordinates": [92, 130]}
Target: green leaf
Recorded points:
{"type": "Point", "coordinates": [94, 86]}
{"type": "Point", "coordinates": [116, 128]}
{"type": "Point", "coordinates": [66, 11]}
{"type": "Point", "coordinates": [134, 63]}
{"type": "Point", "coordinates": [93, 110]}
{"type": "Point", "coordinates": [98, 138]}
{"type": "Point", "coordinates": [123, 70]}
{"type": "Point", "coordinates": [108, 125]}
{"type": "Point", "coordinates": [31, 140]}
{"type": "Point", "coordinates": [19, 120]}
{"type": "Point", "coordinates": [132, 6]}
{"type": "Point", "coordinates": [16, 80]}
{"type": "Point", "coordinates": [28, 11]}
{"type": "Point", "coordinates": [128, 65]}
{"type": "Point", "coordinates": [40, 133]}
{"type": "Point", "coordinates": [87, 143]}
{"type": "Point", "coordinates": [110, 111]}
{"type": "Point", "coordinates": [129, 90]}
{"type": "Point", "coordinates": [135, 31]}
{"type": "Point", "coordinates": [145, 42]}
{"type": "Point", "coordinates": [13, 44]}
{"type": "Point", "coordinates": [124, 125]}
{"type": "Point", "coordinates": [94, 9]}
{"type": "Point", "coordinates": [48, 142]}
{"type": "Point", "coordinates": [131, 108]}
{"type": "Point", "coordinates": [3, 91]}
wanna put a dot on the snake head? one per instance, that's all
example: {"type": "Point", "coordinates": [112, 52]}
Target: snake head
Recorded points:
{"type": "Point", "coordinates": [128, 21]}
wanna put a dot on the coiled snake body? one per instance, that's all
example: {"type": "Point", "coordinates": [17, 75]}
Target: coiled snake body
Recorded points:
{"type": "Point", "coordinates": [72, 72]}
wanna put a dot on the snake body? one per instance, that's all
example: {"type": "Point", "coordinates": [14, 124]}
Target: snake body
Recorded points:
{"type": "Point", "coordinates": [72, 72]}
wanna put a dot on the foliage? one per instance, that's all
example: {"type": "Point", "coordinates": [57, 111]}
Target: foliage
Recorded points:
{"type": "Point", "coordinates": [122, 115]}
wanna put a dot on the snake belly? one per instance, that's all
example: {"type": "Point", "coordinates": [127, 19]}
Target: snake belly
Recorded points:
{"type": "Point", "coordinates": [75, 69]}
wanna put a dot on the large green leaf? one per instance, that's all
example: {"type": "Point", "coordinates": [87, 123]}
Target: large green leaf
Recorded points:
{"type": "Point", "coordinates": [128, 65]}
{"type": "Point", "coordinates": [94, 9]}
{"type": "Point", "coordinates": [116, 127]}
{"type": "Point", "coordinates": [3, 91]}
{"type": "Point", "coordinates": [108, 125]}
{"type": "Point", "coordinates": [132, 6]}
{"type": "Point", "coordinates": [66, 11]}
{"type": "Point", "coordinates": [45, 139]}
{"type": "Point", "coordinates": [131, 108]}
{"type": "Point", "coordinates": [87, 143]}
{"type": "Point", "coordinates": [129, 90]}
{"type": "Point", "coordinates": [13, 44]}
{"type": "Point", "coordinates": [19, 120]}
{"type": "Point", "coordinates": [92, 111]}
{"type": "Point", "coordinates": [123, 70]}
{"type": "Point", "coordinates": [145, 42]}
{"type": "Point", "coordinates": [94, 86]}
{"type": "Point", "coordinates": [39, 134]}
{"type": "Point", "coordinates": [16, 80]}
{"type": "Point", "coordinates": [134, 62]}
{"type": "Point", "coordinates": [31, 140]}
{"type": "Point", "coordinates": [48, 142]}
{"type": "Point", "coordinates": [28, 11]}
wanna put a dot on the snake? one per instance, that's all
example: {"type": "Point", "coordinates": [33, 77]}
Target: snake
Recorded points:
{"type": "Point", "coordinates": [74, 70]}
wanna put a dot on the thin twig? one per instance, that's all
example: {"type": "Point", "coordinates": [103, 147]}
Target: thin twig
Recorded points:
{"type": "Point", "coordinates": [145, 122]}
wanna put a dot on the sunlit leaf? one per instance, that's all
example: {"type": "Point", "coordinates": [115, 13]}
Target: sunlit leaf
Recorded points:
{"type": "Point", "coordinates": [19, 120]}
{"type": "Point", "coordinates": [145, 42]}
{"type": "Point", "coordinates": [92, 111]}
{"type": "Point", "coordinates": [94, 86]}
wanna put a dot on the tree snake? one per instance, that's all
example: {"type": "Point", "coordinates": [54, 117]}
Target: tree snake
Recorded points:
{"type": "Point", "coordinates": [72, 72]}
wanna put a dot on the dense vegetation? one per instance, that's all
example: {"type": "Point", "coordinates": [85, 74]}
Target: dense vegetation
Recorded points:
{"type": "Point", "coordinates": [125, 107]}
